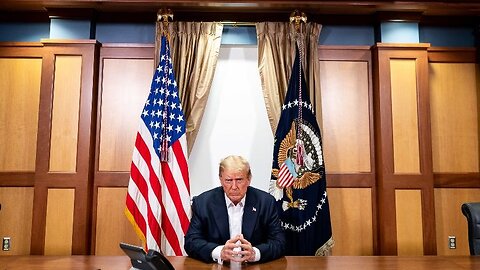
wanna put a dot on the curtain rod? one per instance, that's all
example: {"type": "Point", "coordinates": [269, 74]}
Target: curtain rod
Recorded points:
{"type": "Point", "coordinates": [234, 24]}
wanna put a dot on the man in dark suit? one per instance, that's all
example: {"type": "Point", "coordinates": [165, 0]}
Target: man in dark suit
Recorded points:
{"type": "Point", "coordinates": [235, 222]}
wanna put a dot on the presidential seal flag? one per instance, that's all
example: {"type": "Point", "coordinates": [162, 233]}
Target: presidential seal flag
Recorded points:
{"type": "Point", "coordinates": [298, 172]}
{"type": "Point", "coordinates": [158, 197]}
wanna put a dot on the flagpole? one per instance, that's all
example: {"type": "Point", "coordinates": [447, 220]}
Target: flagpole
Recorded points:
{"type": "Point", "coordinates": [298, 18]}
{"type": "Point", "coordinates": [165, 15]}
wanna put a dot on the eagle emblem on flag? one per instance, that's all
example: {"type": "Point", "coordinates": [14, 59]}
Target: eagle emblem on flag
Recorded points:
{"type": "Point", "coordinates": [300, 158]}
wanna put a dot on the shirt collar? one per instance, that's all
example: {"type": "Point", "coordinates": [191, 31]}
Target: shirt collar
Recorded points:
{"type": "Point", "coordinates": [230, 203]}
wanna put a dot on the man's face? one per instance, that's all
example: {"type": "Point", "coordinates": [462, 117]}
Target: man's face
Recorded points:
{"type": "Point", "coordinates": [235, 183]}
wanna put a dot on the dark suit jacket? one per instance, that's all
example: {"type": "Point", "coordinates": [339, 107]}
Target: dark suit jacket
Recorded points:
{"type": "Point", "coordinates": [209, 226]}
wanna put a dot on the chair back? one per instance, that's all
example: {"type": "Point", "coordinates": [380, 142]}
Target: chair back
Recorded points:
{"type": "Point", "coordinates": [472, 213]}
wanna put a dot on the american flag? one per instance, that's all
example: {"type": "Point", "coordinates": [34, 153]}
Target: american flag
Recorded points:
{"type": "Point", "coordinates": [158, 197]}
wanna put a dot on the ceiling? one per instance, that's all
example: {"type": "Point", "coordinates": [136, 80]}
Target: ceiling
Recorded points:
{"type": "Point", "coordinates": [243, 10]}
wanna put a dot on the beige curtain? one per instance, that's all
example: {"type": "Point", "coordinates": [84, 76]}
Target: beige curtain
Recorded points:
{"type": "Point", "coordinates": [194, 48]}
{"type": "Point", "coordinates": [276, 53]}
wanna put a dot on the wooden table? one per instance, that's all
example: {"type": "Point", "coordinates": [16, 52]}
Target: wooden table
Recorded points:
{"type": "Point", "coordinates": [286, 263]}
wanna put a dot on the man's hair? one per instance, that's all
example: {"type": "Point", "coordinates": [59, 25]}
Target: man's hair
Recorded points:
{"type": "Point", "coordinates": [234, 162]}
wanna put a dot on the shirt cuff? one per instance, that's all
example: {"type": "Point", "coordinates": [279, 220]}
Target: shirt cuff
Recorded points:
{"type": "Point", "coordinates": [216, 254]}
{"type": "Point", "coordinates": [257, 254]}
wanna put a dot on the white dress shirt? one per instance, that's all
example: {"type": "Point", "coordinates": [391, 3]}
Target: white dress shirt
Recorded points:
{"type": "Point", "coordinates": [235, 217]}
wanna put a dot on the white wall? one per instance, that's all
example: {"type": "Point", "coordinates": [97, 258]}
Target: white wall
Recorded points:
{"type": "Point", "coordinates": [235, 121]}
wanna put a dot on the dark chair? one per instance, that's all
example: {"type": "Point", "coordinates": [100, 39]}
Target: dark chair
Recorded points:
{"type": "Point", "coordinates": [472, 213]}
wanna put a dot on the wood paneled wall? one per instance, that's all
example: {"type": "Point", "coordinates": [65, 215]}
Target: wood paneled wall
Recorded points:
{"type": "Point", "coordinates": [48, 143]}
{"type": "Point", "coordinates": [408, 216]}
{"type": "Point", "coordinates": [450, 220]}
{"type": "Point", "coordinates": [454, 86]}
{"type": "Point", "coordinates": [65, 114]}
{"type": "Point", "coordinates": [124, 88]}
{"type": "Point", "coordinates": [346, 118]}
{"type": "Point", "coordinates": [111, 225]}
{"type": "Point", "coordinates": [16, 218]}
{"type": "Point", "coordinates": [346, 114]}
{"type": "Point", "coordinates": [20, 85]}
{"type": "Point", "coordinates": [400, 133]}
{"type": "Point", "coordinates": [403, 145]}
{"type": "Point", "coordinates": [59, 221]}
{"type": "Point", "coordinates": [406, 152]}
{"type": "Point", "coordinates": [68, 87]}
{"type": "Point", "coordinates": [124, 84]}
{"type": "Point", "coordinates": [352, 221]}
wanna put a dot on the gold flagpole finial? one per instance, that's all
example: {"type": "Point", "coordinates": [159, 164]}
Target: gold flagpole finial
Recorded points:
{"type": "Point", "coordinates": [298, 17]}
{"type": "Point", "coordinates": [165, 15]}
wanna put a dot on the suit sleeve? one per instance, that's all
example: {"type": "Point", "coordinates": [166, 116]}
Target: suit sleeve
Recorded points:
{"type": "Point", "coordinates": [274, 246]}
{"type": "Point", "coordinates": [196, 243]}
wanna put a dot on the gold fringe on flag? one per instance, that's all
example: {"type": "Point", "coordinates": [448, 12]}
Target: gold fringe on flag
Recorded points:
{"type": "Point", "coordinates": [326, 249]}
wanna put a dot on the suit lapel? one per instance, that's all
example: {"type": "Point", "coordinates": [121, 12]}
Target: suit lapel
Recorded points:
{"type": "Point", "coordinates": [220, 213]}
{"type": "Point", "coordinates": [250, 215]}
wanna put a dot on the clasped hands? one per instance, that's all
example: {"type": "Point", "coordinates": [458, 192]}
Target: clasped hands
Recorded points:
{"type": "Point", "coordinates": [238, 249]}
